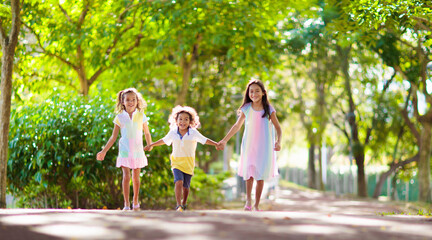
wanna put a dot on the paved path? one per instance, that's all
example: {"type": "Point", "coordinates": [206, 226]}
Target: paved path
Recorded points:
{"type": "Point", "coordinates": [294, 214]}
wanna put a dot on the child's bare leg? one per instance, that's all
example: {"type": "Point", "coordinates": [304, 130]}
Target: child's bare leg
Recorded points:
{"type": "Point", "coordinates": [258, 192]}
{"type": "Point", "coordinates": [249, 186]}
{"type": "Point", "coordinates": [185, 195]}
{"type": "Point", "coordinates": [136, 184]}
{"type": "Point", "coordinates": [178, 191]}
{"type": "Point", "coordinates": [126, 185]}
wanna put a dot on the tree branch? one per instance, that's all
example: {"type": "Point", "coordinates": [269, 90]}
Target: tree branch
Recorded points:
{"type": "Point", "coordinates": [102, 69]}
{"type": "Point", "coordinates": [413, 84]}
{"type": "Point", "coordinates": [48, 53]}
{"type": "Point", "coordinates": [16, 22]}
{"type": "Point", "coordinates": [343, 130]}
{"type": "Point", "coordinates": [118, 37]}
{"type": "Point", "coordinates": [393, 168]}
{"type": "Point", "coordinates": [83, 15]}
{"type": "Point", "coordinates": [65, 13]}
{"type": "Point", "coordinates": [115, 41]}
{"type": "Point", "coordinates": [3, 34]}
{"type": "Point", "coordinates": [404, 113]}
{"type": "Point", "coordinates": [374, 119]}
{"type": "Point", "coordinates": [120, 18]}
{"type": "Point", "coordinates": [52, 78]}
{"type": "Point", "coordinates": [421, 20]}
{"type": "Point", "coordinates": [405, 42]}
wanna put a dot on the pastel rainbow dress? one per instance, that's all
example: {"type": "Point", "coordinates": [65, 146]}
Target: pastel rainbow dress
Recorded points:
{"type": "Point", "coordinates": [131, 149]}
{"type": "Point", "coordinates": [257, 158]}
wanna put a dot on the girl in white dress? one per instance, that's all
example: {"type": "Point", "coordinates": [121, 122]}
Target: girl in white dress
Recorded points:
{"type": "Point", "coordinates": [131, 121]}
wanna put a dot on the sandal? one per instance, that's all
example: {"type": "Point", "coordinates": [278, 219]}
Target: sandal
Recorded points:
{"type": "Point", "coordinates": [126, 207]}
{"type": "Point", "coordinates": [247, 208]}
{"type": "Point", "coordinates": [136, 207]}
{"type": "Point", "coordinates": [184, 207]}
{"type": "Point", "coordinates": [179, 208]}
{"type": "Point", "coordinates": [257, 210]}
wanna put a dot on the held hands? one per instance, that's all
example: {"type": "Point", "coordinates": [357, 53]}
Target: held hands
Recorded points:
{"type": "Point", "coordinates": [100, 156]}
{"type": "Point", "coordinates": [221, 145]}
{"type": "Point", "coordinates": [148, 148]}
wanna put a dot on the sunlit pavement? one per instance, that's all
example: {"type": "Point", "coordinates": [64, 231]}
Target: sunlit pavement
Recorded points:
{"type": "Point", "coordinates": [292, 215]}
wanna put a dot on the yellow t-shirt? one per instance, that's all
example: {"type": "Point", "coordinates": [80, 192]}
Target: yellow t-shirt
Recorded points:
{"type": "Point", "coordinates": [183, 154]}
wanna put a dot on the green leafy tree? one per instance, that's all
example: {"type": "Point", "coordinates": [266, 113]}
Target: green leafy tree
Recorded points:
{"type": "Point", "coordinates": [311, 60]}
{"type": "Point", "coordinates": [406, 27]}
{"type": "Point", "coordinates": [10, 25]}
{"type": "Point", "coordinates": [83, 39]}
{"type": "Point", "coordinates": [198, 31]}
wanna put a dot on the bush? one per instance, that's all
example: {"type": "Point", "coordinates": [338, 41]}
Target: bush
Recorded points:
{"type": "Point", "coordinates": [52, 161]}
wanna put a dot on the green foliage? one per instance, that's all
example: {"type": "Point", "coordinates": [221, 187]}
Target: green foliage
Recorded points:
{"type": "Point", "coordinates": [5, 12]}
{"type": "Point", "coordinates": [205, 189]}
{"type": "Point", "coordinates": [80, 40]}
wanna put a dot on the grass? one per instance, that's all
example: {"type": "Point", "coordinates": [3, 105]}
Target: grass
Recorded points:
{"type": "Point", "coordinates": [420, 212]}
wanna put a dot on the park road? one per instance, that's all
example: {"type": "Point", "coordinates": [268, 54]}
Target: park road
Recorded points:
{"type": "Point", "coordinates": [294, 214]}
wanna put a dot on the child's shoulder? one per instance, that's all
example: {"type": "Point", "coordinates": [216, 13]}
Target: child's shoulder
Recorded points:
{"type": "Point", "coordinates": [272, 109]}
{"type": "Point", "coordinates": [246, 106]}
{"type": "Point", "coordinates": [119, 114]}
{"type": "Point", "coordinates": [193, 130]}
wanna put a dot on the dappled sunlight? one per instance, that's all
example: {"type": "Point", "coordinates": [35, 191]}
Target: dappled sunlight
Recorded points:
{"type": "Point", "coordinates": [355, 221]}
{"type": "Point", "coordinates": [26, 220]}
{"type": "Point", "coordinates": [285, 201]}
{"type": "Point", "coordinates": [79, 231]}
{"type": "Point", "coordinates": [208, 224]}
{"type": "Point", "coordinates": [171, 227]}
{"type": "Point", "coordinates": [413, 229]}
{"type": "Point", "coordinates": [310, 229]}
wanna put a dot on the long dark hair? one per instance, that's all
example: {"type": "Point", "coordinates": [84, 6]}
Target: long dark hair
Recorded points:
{"type": "Point", "coordinates": [265, 100]}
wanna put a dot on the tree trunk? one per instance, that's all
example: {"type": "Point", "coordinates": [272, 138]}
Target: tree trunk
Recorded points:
{"type": "Point", "coordinates": [311, 167]}
{"type": "Point", "coordinates": [83, 83]}
{"type": "Point", "coordinates": [392, 169]}
{"type": "Point", "coordinates": [357, 147]}
{"type": "Point", "coordinates": [187, 62]}
{"type": "Point", "coordinates": [8, 44]}
{"type": "Point", "coordinates": [320, 175]}
{"type": "Point", "coordinates": [5, 101]}
{"type": "Point", "coordinates": [361, 178]}
{"type": "Point", "coordinates": [393, 166]}
{"type": "Point", "coordinates": [187, 69]}
{"type": "Point", "coordinates": [81, 73]}
{"type": "Point", "coordinates": [424, 163]}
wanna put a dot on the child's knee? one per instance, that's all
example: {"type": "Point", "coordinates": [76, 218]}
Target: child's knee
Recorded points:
{"type": "Point", "coordinates": [179, 183]}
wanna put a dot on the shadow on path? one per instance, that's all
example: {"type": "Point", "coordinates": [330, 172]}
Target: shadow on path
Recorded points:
{"type": "Point", "coordinates": [293, 215]}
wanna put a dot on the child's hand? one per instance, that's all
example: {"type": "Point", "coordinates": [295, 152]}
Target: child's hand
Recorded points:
{"type": "Point", "coordinates": [100, 156]}
{"type": "Point", "coordinates": [148, 148]}
{"type": "Point", "coordinates": [277, 146]}
{"type": "Point", "coordinates": [221, 145]}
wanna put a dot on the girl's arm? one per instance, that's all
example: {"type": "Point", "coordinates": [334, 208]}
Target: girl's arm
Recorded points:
{"type": "Point", "coordinates": [235, 128]}
{"type": "Point", "coordinates": [275, 122]}
{"type": "Point", "coordinates": [151, 145]}
{"type": "Point", "coordinates": [147, 135]}
{"type": "Point", "coordinates": [211, 142]}
{"type": "Point", "coordinates": [101, 155]}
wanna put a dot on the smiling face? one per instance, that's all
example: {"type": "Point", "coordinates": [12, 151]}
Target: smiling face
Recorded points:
{"type": "Point", "coordinates": [183, 121]}
{"type": "Point", "coordinates": [130, 102]}
{"type": "Point", "coordinates": [255, 93]}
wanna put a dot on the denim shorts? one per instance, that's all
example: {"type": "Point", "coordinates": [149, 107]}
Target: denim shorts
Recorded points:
{"type": "Point", "coordinates": [179, 175]}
